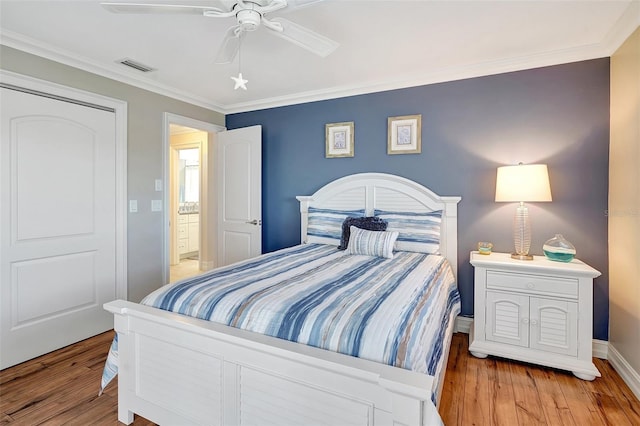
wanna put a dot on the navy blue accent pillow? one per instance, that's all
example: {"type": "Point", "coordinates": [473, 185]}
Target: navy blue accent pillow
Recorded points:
{"type": "Point", "coordinates": [372, 223]}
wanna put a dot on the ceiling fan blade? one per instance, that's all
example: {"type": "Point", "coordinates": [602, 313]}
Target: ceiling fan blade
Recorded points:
{"type": "Point", "coordinates": [163, 8]}
{"type": "Point", "coordinates": [230, 45]}
{"type": "Point", "coordinates": [304, 37]}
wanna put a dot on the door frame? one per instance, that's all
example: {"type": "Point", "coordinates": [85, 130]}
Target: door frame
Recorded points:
{"type": "Point", "coordinates": [119, 107]}
{"type": "Point", "coordinates": [206, 156]}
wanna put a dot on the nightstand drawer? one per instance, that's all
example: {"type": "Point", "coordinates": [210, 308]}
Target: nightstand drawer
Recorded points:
{"type": "Point", "coordinates": [532, 283]}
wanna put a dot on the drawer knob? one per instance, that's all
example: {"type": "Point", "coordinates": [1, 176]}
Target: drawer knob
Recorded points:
{"type": "Point", "coordinates": [534, 322]}
{"type": "Point", "coordinates": [525, 320]}
{"type": "Point", "coordinates": [530, 285]}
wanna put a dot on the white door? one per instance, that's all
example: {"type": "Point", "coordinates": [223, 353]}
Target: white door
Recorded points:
{"type": "Point", "coordinates": [57, 223]}
{"type": "Point", "coordinates": [239, 165]}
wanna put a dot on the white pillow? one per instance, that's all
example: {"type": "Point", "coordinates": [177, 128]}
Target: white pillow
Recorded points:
{"type": "Point", "coordinates": [371, 243]}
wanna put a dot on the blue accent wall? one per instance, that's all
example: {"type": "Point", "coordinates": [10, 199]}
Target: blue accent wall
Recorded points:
{"type": "Point", "coordinates": [557, 115]}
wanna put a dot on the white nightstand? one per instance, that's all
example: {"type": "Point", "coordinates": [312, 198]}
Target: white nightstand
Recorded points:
{"type": "Point", "coordinates": [536, 311]}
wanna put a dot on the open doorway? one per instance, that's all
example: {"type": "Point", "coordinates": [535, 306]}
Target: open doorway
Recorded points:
{"type": "Point", "coordinates": [184, 182]}
{"type": "Point", "coordinates": [189, 219]}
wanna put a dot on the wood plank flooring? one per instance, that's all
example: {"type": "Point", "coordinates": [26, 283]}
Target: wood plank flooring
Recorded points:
{"type": "Point", "coordinates": [496, 391]}
{"type": "Point", "coordinates": [61, 388]}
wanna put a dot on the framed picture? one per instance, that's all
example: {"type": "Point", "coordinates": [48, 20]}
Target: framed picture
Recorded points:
{"type": "Point", "coordinates": [404, 134]}
{"type": "Point", "coordinates": [339, 139]}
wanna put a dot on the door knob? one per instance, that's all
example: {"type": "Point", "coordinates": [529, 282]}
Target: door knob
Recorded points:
{"type": "Point", "coordinates": [254, 222]}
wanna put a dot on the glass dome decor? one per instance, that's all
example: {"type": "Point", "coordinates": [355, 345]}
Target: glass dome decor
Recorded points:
{"type": "Point", "coordinates": [559, 249]}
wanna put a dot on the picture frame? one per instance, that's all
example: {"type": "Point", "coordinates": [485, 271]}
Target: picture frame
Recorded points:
{"type": "Point", "coordinates": [339, 139]}
{"type": "Point", "coordinates": [404, 134]}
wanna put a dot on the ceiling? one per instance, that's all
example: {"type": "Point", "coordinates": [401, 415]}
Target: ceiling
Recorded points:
{"type": "Point", "coordinates": [383, 44]}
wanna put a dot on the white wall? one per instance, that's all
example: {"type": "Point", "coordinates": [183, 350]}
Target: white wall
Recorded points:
{"type": "Point", "coordinates": [624, 212]}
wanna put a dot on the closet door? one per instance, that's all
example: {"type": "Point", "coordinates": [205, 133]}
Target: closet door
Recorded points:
{"type": "Point", "coordinates": [57, 223]}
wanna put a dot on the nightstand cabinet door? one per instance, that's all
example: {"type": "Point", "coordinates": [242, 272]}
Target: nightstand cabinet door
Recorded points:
{"type": "Point", "coordinates": [507, 317]}
{"type": "Point", "coordinates": [554, 326]}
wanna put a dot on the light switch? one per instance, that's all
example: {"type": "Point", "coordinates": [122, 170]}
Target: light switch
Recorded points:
{"type": "Point", "coordinates": [158, 184]}
{"type": "Point", "coordinates": [156, 205]}
{"type": "Point", "coordinates": [133, 206]}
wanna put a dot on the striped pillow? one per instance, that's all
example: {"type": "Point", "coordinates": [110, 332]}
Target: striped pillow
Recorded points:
{"type": "Point", "coordinates": [324, 226]}
{"type": "Point", "coordinates": [369, 223]}
{"type": "Point", "coordinates": [418, 232]}
{"type": "Point", "coordinates": [371, 243]}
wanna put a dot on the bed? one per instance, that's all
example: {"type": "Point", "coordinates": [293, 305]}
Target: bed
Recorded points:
{"type": "Point", "coordinates": [177, 369]}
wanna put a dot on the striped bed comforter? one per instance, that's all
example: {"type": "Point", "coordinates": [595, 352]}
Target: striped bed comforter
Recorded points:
{"type": "Point", "coordinates": [394, 311]}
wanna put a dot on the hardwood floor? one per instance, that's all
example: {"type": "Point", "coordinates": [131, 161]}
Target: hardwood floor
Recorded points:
{"type": "Point", "coordinates": [61, 388]}
{"type": "Point", "coordinates": [495, 391]}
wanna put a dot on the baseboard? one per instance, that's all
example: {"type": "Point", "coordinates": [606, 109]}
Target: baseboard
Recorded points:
{"type": "Point", "coordinates": [463, 325]}
{"type": "Point", "coordinates": [600, 347]}
{"type": "Point", "coordinates": [625, 370]}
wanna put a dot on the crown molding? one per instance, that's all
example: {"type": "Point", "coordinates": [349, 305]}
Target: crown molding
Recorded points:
{"type": "Point", "coordinates": [441, 75]}
{"type": "Point", "coordinates": [624, 27]}
{"type": "Point", "coordinates": [38, 48]}
{"type": "Point", "coordinates": [628, 22]}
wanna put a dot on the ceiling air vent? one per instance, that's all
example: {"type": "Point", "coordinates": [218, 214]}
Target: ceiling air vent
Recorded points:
{"type": "Point", "coordinates": [135, 65]}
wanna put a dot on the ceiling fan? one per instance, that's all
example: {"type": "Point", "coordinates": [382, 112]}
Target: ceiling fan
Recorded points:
{"type": "Point", "coordinates": [249, 15]}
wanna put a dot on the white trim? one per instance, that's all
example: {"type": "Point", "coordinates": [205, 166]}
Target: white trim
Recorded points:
{"type": "Point", "coordinates": [627, 23]}
{"type": "Point", "coordinates": [168, 119]}
{"type": "Point", "coordinates": [625, 370]}
{"type": "Point", "coordinates": [601, 348]}
{"type": "Point", "coordinates": [623, 28]}
{"type": "Point", "coordinates": [463, 324]}
{"type": "Point", "coordinates": [112, 71]}
{"type": "Point", "coordinates": [120, 111]}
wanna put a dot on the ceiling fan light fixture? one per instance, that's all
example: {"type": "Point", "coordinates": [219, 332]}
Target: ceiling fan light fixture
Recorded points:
{"type": "Point", "coordinates": [249, 20]}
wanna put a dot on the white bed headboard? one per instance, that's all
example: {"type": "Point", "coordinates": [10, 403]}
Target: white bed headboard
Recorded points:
{"type": "Point", "coordinates": [386, 192]}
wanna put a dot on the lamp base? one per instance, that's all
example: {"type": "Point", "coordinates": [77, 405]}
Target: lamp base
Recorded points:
{"type": "Point", "coordinates": [521, 256]}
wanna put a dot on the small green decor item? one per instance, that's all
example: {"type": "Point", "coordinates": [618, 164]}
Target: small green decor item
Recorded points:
{"type": "Point", "coordinates": [484, 247]}
{"type": "Point", "coordinates": [559, 249]}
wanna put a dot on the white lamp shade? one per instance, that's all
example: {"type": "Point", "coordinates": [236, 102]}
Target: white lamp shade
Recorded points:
{"type": "Point", "coordinates": [528, 182]}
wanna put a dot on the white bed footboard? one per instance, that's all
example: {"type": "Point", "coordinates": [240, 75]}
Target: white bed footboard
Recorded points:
{"type": "Point", "coordinates": [179, 370]}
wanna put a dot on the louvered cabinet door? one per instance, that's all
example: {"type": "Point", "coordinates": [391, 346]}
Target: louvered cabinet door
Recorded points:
{"type": "Point", "coordinates": [507, 318]}
{"type": "Point", "coordinates": [554, 325]}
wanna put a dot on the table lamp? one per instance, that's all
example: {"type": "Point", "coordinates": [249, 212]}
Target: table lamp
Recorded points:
{"type": "Point", "coordinates": [519, 184]}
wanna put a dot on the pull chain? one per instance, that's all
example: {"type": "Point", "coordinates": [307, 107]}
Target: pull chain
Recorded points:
{"type": "Point", "coordinates": [240, 82]}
